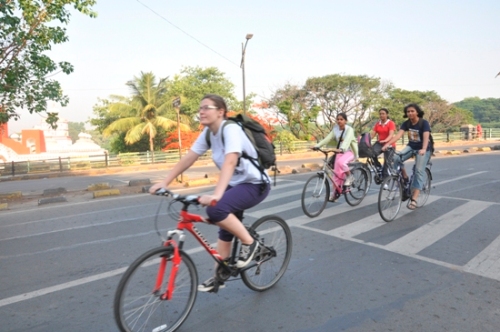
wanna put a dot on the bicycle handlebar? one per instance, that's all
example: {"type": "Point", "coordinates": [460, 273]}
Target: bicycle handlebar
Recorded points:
{"type": "Point", "coordinates": [185, 199]}
{"type": "Point", "coordinates": [325, 151]}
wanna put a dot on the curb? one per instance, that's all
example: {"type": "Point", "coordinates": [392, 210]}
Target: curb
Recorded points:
{"type": "Point", "coordinates": [107, 192]}
{"type": "Point", "coordinates": [55, 191]}
{"type": "Point", "coordinates": [453, 152]}
{"type": "Point", "coordinates": [311, 165]}
{"type": "Point", "coordinates": [15, 194]}
{"type": "Point", "coordinates": [200, 182]}
{"type": "Point", "coordinates": [139, 182]}
{"type": "Point", "coordinates": [57, 199]}
{"type": "Point", "coordinates": [98, 186]}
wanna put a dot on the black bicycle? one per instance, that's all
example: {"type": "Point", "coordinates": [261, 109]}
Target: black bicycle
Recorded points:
{"type": "Point", "coordinates": [394, 190]}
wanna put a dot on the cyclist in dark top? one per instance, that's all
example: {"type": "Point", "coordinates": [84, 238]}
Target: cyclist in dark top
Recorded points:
{"type": "Point", "coordinates": [418, 142]}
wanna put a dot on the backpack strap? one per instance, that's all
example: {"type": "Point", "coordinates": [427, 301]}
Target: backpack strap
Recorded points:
{"type": "Point", "coordinates": [207, 135]}
{"type": "Point", "coordinates": [253, 161]}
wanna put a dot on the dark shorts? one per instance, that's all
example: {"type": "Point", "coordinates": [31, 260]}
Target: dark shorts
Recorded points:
{"type": "Point", "coordinates": [236, 199]}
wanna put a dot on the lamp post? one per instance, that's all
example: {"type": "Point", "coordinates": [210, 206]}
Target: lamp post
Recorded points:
{"type": "Point", "coordinates": [176, 103]}
{"type": "Point", "coordinates": [243, 48]}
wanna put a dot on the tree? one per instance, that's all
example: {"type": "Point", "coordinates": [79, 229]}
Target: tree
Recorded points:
{"type": "Point", "coordinates": [187, 138]}
{"type": "Point", "coordinates": [292, 110]}
{"type": "Point", "coordinates": [484, 110]}
{"type": "Point", "coordinates": [74, 129]}
{"type": "Point", "coordinates": [442, 116]}
{"type": "Point", "coordinates": [147, 110]}
{"type": "Point", "coordinates": [195, 82]}
{"type": "Point", "coordinates": [28, 29]}
{"type": "Point", "coordinates": [353, 95]}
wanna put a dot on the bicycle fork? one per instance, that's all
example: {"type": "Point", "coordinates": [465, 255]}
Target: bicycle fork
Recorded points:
{"type": "Point", "coordinates": [176, 261]}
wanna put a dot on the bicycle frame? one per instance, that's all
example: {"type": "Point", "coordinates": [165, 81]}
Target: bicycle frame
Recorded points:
{"type": "Point", "coordinates": [330, 173]}
{"type": "Point", "coordinates": [399, 172]}
{"type": "Point", "coordinates": [186, 222]}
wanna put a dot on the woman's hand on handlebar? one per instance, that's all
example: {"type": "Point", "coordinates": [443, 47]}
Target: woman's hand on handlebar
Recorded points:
{"type": "Point", "coordinates": [208, 200]}
{"type": "Point", "coordinates": [314, 148]}
{"type": "Point", "coordinates": [154, 188]}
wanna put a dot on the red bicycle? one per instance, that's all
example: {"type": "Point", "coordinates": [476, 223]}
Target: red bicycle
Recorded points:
{"type": "Point", "coordinates": [158, 291]}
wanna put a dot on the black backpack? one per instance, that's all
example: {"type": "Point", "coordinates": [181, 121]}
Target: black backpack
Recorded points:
{"type": "Point", "coordinates": [431, 139]}
{"type": "Point", "coordinates": [365, 149]}
{"type": "Point", "coordinates": [259, 139]}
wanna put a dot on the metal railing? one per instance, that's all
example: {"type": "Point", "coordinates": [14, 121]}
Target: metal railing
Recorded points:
{"type": "Point", "coordinates": [103, 161]}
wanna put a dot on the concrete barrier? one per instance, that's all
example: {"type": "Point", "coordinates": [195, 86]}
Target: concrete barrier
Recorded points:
{"type": "Point", "coordinates": [98, 186]}
{"type": "Point", "coordinates": [311, 165]}
{"type": "Point", "coordinates": [139, 182]}
{"type": "Point", "coordinates": [300, 170]}
{"type": "Point", "coordinates": [200, 182]}
{"type": "Point", "coordinates": [4, 206]}
{"type": "Point", "coordinates": [107, 192]}
{"type": "Point", "coordinates": [454, 152]}
{"type": "Point", "coordinates": [54, 191]}
{"type": "Point", "coordinates": [14, 194]}
{"type": "Point", "coordinates": [484, 148]}
{"type": "Point", "coordinates": [57, 199]}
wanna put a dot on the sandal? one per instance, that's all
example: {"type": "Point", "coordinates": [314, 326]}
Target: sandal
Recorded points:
{"type": "Point", "coordinates": [412, 205]}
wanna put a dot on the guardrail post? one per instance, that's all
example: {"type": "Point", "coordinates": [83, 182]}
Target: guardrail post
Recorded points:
{"type": "Point", "coordinates": [60, 164]}
{"type": "Point", "coordinates": [106, 159]}
{"type": "Point", "coordinates": [447, 136]}
{"type": "Point", "coordinates": [13, 171]}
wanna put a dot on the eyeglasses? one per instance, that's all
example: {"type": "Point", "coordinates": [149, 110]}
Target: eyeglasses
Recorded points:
{"type": "Point", "coordinates": [205, 108]}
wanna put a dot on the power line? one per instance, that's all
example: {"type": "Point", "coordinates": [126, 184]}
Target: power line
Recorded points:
{"type": "Point", "coordinates": [187, 34]}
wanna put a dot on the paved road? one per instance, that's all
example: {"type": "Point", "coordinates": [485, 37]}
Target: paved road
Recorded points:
{"type": "Point", "coordinates": [434, 269]}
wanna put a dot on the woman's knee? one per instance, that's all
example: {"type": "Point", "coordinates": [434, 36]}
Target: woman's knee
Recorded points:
{"type": "Point", "coordinates": [216, 214]}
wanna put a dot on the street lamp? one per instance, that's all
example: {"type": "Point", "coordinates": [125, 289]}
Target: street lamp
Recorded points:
{"type": "Point", "coordinates": [243, 48]}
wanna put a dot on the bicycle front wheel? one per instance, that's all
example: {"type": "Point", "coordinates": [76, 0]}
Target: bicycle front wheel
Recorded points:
{"type": "Point", "coordinates": [139, 304]}
{"type": "Point", "coordinates": [426, 189]}
{"type": "Point", "coordinates": [358, 188]}
{"type": "Point", "coordinates": [272, 257]}
{"type": "Point", "coordinates": [389, 198]}
{"type": "Point", "coordinates": [315, 195]}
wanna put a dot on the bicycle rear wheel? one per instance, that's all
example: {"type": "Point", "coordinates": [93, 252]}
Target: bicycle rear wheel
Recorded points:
{"type": "Point", "coordinates": [426, 189]}
{"type": "Point", "coordinates": [272, 257]}
{"type": "Point", "coordinates": [315, 195]}
{"type": "Point", "coordinates": [389, 198]}
{"type": "Point", "coordinates": [138, 304]}
{"type": "Point", "coordinates": [358, 188]}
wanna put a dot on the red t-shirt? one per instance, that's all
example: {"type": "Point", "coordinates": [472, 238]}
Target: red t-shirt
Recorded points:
{"type": "Point", "coordinates": [382, 130]}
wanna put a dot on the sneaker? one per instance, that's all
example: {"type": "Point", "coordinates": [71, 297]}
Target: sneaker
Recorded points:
{"type": "Point", "coordinates": [349, 180]}
{"type": "Point", "coordinates": [209, 285]}
{"type": "Point", "coordinates": [246, 254]}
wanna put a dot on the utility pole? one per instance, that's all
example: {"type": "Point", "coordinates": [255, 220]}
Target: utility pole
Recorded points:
{"type": "Point", "coordinates": [176, 103]}
{"type": "Point", "coordinates": [243, 48]}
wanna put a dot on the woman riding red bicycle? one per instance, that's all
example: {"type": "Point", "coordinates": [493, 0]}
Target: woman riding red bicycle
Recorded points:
{"type": "Point", "coordinates": [240, 184]}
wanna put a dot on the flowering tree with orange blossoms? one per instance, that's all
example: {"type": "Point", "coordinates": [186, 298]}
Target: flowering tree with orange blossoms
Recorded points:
{"type": "Point", "coordinates": [187, 138]}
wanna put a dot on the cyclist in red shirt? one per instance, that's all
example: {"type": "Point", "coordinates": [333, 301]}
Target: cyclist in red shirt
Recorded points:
{"type": "Point", "coordinates": [384, 129]}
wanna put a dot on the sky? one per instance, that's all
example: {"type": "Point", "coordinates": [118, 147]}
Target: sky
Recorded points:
{"type": "Point", "coordinates": [451, 47]}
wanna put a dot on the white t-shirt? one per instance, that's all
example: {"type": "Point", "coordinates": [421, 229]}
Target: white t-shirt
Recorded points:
{"type": "Point", "coordinates": [235, 140]}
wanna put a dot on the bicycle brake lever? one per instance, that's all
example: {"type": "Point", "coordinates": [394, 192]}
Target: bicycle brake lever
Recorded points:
{"type": "Point", "coordinates": [162, 192]}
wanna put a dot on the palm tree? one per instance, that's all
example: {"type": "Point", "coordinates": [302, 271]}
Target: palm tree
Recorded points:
{"type": "Point", "coordinates": [146, 111]}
